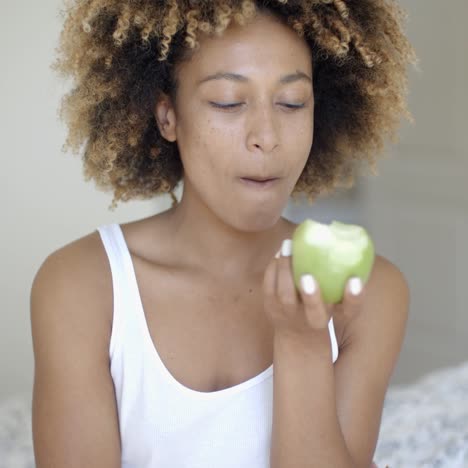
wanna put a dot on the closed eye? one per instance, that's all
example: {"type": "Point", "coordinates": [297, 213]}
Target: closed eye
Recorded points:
{"type": "Point", "coordinates": [234, 105]}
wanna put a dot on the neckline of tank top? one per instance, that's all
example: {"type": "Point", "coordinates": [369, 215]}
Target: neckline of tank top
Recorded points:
{"type": "Point", "coordinates": [266, 373]}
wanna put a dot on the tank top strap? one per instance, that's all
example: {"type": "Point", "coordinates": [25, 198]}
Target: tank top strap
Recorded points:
{"type": "Point", "coordinates": [334, 344]}
{"type": "Point", "coordinates": [125, 288]}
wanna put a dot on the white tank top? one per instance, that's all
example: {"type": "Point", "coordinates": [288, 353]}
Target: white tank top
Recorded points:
{"type": "Point", "coordinates": [164, 424]}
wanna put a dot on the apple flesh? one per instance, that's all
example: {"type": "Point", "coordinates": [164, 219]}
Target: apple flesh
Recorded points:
{"type": "Point", "coordinates": [331, 254]}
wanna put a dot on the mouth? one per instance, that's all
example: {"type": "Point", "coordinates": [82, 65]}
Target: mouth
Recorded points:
{"type": "Point", "coordinates": [259, 183]}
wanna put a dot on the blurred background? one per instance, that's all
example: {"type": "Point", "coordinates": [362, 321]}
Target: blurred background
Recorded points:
{"type": "Point", "coordinates": [416, 208]}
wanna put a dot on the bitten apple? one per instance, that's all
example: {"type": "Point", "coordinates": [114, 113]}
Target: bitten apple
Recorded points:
{"type": "Point", "coordinates": [331, 254]}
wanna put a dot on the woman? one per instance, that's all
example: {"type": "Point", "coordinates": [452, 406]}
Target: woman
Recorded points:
{"type": "Point", "coordinates": [155, 340]}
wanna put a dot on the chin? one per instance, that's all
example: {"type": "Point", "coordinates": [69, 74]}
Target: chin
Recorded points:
{"type": "Point", "coordinates": [258, 221]}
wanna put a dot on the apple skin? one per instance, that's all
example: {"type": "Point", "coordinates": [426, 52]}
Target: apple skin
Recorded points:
{"type": "Point", "coordinates": [331, 254]}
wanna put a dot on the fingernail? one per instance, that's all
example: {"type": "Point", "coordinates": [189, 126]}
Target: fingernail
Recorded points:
{"type": "Point", "coordinates": [355, 286]}
{"type": "Point", "coordinates": [308, 284]}
{"type": "Point", "coordinates": [286, 248]}
{"type": "Point", "coordinates": [277, 255]}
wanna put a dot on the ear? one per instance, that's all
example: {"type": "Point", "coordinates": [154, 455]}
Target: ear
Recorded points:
{"type": "Point", "coordinates": [164, 113]}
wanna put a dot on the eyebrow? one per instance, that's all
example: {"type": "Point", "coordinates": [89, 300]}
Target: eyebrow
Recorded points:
{"type": "Point", "coordinates": [243, 79]}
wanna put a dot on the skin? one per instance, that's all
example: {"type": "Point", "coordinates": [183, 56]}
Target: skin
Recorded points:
{"type": "Point", "coordinates": [220, 225]}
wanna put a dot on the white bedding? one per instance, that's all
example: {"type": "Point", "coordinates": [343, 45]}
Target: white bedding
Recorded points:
{"type": "Point", "coordinates": [424, 425]}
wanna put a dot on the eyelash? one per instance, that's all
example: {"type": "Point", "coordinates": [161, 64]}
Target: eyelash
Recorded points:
{"type": "Point", "coordinates": [232, 106]}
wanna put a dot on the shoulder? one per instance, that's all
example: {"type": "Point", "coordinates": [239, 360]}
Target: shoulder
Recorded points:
{"type": "Point", "coordinates": [387, 284]}
{"type": "Point", "coordinates": [77, 280]}
{"type": "Point", "coordinates": [81, 265]}
{"type": "Point", "coordinates": [385, 273]}
{"type": "Point", "coordinates": [385, 306]}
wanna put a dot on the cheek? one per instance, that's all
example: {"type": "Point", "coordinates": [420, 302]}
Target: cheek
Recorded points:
{"type": "Point", "coordinates": [193, 137]}
{"type": "Point", "coordinates": [207, 150]}
{"type": "Point", "coordinates": [307, 130]}
{"type": "Point", "coordinates": [301, 141]}
{"type": "Point", "coordinates": [218, 140]}
{"type": "Point", "coordinates": [301, 136]}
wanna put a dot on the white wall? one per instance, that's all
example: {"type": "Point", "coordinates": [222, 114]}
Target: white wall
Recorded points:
{"type": "Point", "coordinates": [47, 203]}
{"type": "Point", "coordinates": [418, 206]}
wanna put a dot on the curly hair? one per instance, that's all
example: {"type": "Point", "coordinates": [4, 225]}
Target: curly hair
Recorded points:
{"type": "Point", "coordinates": [122, 55]}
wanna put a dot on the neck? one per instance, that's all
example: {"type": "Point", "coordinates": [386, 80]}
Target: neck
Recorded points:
{"type": "Point", "coordinates": [233, 248]}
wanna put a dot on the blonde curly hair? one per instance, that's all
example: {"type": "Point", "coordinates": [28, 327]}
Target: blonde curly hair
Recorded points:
{"type": "Point", "coordinates": [122, 56]}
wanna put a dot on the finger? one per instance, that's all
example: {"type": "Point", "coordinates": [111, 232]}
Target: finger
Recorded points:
{"type": "Point", "coordinates": [317, 313]}
{"type": "Point", "coordinates": [286, 289]}
{"type": "Point", "coordinates": [353, 296]}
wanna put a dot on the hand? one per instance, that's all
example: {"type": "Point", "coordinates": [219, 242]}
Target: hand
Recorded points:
{"type": "Point", "coordinates": [293, 312]}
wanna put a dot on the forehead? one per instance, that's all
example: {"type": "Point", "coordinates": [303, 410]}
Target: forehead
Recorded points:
{"type": "Point", "coordinates": [264, 48]}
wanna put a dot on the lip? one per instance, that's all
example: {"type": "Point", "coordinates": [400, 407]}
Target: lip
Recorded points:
{"type": "Point", "coordinates": [259, 185]}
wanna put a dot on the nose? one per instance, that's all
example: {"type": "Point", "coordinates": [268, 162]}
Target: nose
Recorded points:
{"type": "Point", "coordinates": [263, 128]}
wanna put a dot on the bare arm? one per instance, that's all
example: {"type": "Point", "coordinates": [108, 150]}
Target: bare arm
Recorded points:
{"type": "Point", "coordinates": [74, 416]}
{"type": "Point", "coordinates": [329, 415]}
{"type": "Point", "coordinates": [373, 341]}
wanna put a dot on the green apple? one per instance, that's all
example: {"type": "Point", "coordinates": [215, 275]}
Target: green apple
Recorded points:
{"type": "Point", "coordinates": [331, 254]}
